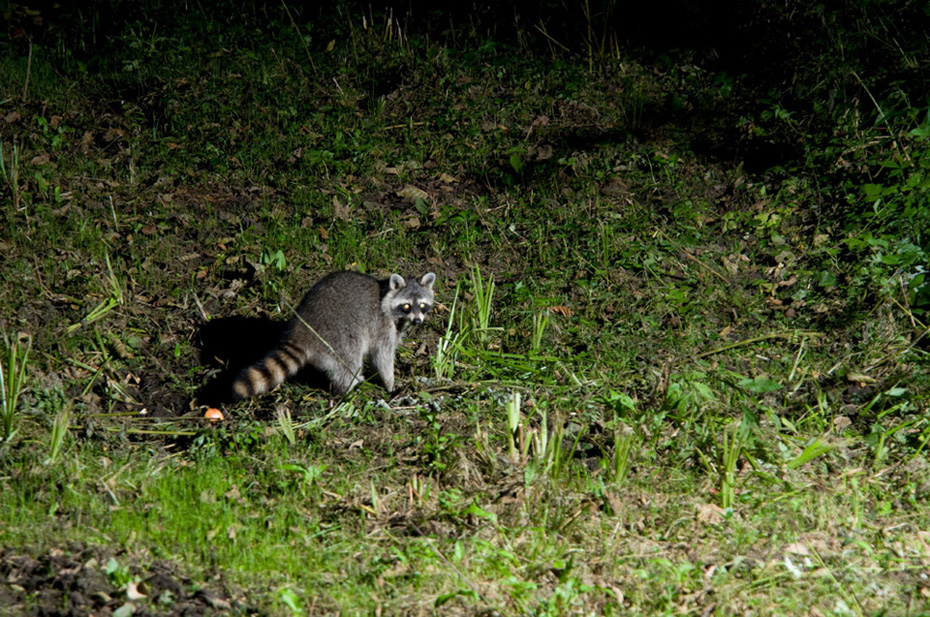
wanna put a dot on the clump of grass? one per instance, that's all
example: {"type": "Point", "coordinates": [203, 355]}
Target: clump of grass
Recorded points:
{"type": "Point", "coordinates": [540, 323]}
{"type": "Point", "coordinates": [733, 440]}
{"type": "Point", "coordinates": [12, 383]}
{"type": "Point", "coordinates": [481, 315]}
{"type": "Point", "coordinates": [450, 344]}
{"type": "Point", "coordinates": [114, 298]}
{"type": "Point", "coordinates": [626, 442]}
{"type": "Point", "coordinates": [60, 426]}
{"type": "Point", "coordinates": [286, 424]}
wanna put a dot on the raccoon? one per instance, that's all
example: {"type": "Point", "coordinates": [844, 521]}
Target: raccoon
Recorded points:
{"type": "Point", "coordinates": [344, 318]}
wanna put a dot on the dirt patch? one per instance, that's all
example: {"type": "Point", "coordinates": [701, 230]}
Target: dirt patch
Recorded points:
{"type": "Point", "coordinates": [80, 580]}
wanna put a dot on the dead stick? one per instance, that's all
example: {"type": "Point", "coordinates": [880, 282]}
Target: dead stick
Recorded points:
{"type": "Point", "coordinates": [693, 258]}
{"type": "Point", "coordinates": [757, 339]}
{"type": "Point", "coordinates": [28, 71]}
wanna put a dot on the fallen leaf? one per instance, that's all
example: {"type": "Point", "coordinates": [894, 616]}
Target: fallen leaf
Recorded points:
{"type": "Point", "coordinates": [731, 266]}
{"type": "Point", "coordinates": [340, 210]}
{"type": "Point", "coordinates": [411, 193]}
{"type": "Point", "coordinates": [711, 514]}
{"type": "Point", "coordinates": [125, 610]}
{"type": "Point", "coordinates": [133, 593]}
{"type": "Point", "coordinates": [797, 548]}
{"type": "Point", "coordinates": [543, 152]}
{"type": "Point", "coordinates": [615, 187]}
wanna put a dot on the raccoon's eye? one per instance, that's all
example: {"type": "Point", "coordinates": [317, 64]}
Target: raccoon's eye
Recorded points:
{"type": "Point", "coordinates": [424, 307]}
{"type": "Point", "coordinates": [406, 308]}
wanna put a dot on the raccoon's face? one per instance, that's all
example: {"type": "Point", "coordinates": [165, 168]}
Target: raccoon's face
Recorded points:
{"type": "Point", "coordinates": [410, 301]}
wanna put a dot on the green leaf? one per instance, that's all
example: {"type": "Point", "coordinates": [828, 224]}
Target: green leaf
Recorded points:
{"type": "Point", "coordinates": [468, 593]}
{"type": "Point", "coordinates": [291, 600]}
{"type": "Point", "coordinates": [477, 511]}
{"type": "Point", "coordinates": [825, 278]}
{"type": "Point", "coordinates": [621, 400]}
{"type": "Point", "coordinates": [760, 385]}
{"type": "Point", "coordinates": [125, 610]}
{"type": "Point", "coordinates": [815, 448]}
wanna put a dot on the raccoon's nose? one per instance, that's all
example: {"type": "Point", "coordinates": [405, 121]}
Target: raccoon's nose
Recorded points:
{"type": "Point", "coordinates": [417, 318]}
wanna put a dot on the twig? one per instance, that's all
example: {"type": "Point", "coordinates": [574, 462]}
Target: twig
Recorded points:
{"type": "Point", "coordinates": [692, 257]}
{"type": "Point", "coordinates": [546, 34]}
{"type": "Point", "coordinates": [200, 306]}
{"type": "Point", "coordinates": [299, 36]}
{"type": "Point", "coordinates": [402, 126]}
{"type": "Point", "coordinates": [764, 337]}
{"type": "Point", "coordinates": [28, 71]}
{"type": "Point", "coordinates": [135, 431]}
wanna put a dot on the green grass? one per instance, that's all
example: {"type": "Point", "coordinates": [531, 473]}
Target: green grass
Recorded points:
{"type": "Point", "coordinates": [677, 363]}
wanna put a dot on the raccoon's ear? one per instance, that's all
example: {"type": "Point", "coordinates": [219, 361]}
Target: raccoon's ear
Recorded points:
{"type": "Point", "coordinates": [397, 282]}
{"type": "Point", "coordinates": [427, 280]}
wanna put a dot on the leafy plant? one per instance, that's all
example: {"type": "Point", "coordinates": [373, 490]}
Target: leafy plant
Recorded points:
{"type": "Point", "coordinates": [438, 444]}
{"type": "Point", "coordinates": [274, 259]}
{"type": "Point", "coordinates": [119, 576]}
{"type": "Point", "coordinates": [309, 475]}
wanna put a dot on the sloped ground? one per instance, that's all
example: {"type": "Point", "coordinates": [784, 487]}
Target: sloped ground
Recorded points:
{"type": "Point", "coordinates": [165, 209]}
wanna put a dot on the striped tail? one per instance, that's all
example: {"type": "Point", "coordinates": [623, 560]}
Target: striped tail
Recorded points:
{"type": "Point", "coordinates": [270, 371]}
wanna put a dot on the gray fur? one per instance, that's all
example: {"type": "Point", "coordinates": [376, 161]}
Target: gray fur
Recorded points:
{"type": "Point", "coordinates": [344, 318]}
